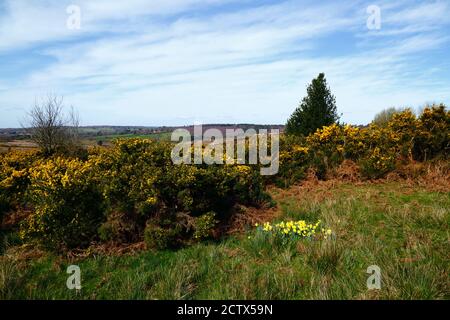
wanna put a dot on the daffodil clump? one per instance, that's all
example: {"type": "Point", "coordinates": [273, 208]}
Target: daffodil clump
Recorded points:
{"type": "Point", "coordinates": [295, 230]}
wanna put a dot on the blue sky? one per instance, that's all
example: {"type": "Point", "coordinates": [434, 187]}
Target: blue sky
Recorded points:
{"type": "Point", "coordinates": [176, 62]}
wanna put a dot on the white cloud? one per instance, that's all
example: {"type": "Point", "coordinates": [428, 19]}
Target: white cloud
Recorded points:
{"type": "Point", "coordinates": [240, 65]}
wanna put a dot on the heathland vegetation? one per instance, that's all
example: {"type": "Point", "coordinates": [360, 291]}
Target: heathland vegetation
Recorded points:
{"type": "Point", "coordinates": [345, 198]}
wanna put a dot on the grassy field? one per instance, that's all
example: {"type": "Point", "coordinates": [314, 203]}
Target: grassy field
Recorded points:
{"type": "Point", "coordinates": [401, 227]}
{"type": "Point", "coordinates": [156, 136]}
{"type": "Point", "coordinates": [16, 145]}
{"type": "Point", "coordinates": [24, 144]}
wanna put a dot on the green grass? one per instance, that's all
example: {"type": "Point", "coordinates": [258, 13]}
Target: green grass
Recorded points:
{"type": "Point", "coordinates": [403, 230]}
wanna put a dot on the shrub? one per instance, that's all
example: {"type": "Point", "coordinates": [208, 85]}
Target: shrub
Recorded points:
{"type": "Point", "coordinates": [119, 228]}
{"type": "Point", "coordinates": [14, 179]}
{"type": "Point", "coordinates": [164, 234]}
{"type": "Point", "coordinates": [4, 206]}
{"type": "Point", "coordinates": [404, 129]}
{"type": "Point", "coordinates": [139, 179]}
{"type": "Point", "coordinates": [377, 164]}
{"type": "Point", "coordinates": [327, 148]}
{"type": "Point", "coordinates": [375, 148]}
{"type": "Point", "coordinates": [68, 206]}
{"type": "Point", "coordinates": [433, 138]}
{"type": "Point", "coordinates": [293, 159]}
{"type": "Point", "coordinates": [133, 191]}
{"type": "Point", "coordinates": [127, 174]}
{"type": "Point", "coordinates": [204, 225]}
{"type": "Point", "coordinates": [116, 194]}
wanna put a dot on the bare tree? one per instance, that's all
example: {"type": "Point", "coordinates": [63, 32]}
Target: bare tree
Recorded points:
{"type": "Point", "coordinates": [383, 117]}
{"type": "Point", "coordinates": [50, 127]}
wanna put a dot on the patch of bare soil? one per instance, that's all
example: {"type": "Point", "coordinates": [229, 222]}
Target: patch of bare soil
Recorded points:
{"type": "Point", "coordinates": [107, 249]}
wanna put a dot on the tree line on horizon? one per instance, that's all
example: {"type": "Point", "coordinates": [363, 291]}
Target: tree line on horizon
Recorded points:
{"type": "Point", "coordinates": [53, 129]}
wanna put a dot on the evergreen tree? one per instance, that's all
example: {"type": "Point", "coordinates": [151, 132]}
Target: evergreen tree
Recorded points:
{"type": "Point", "coordinates": [316, 110]}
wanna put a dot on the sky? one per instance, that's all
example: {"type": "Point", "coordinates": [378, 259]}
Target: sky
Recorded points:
{"type": "Point", "coordinates": [180, 62]}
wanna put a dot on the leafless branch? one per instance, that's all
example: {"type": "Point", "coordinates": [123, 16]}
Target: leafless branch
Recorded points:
{"type": "Point", "coordinates": [50, 128]}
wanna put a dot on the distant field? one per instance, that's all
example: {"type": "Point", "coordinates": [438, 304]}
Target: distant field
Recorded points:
{"type": "Point", "coordinates": [16, 145]}
{"type": "Point", "coordinates": [28, 145]}
{"type": "Point", "coordinates": [157, 136]}
{"type": "Point", "coordinates": [16, 139]}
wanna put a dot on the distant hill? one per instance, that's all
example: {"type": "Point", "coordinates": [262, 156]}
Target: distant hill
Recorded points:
{"type": "Point", "coordinates": [99, 131]}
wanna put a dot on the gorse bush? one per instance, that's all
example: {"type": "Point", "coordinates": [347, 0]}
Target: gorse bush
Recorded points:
{"type": "Point", "coordinates": [117, 192]}
{"type": "Point", "coordinates": [133, 192]}
{"type": "Point", "coordinates": [434, 136]}
{"type": "Point", "coordinates": [178, 230]}
{"type": "Point", "coordinates": [139, 179]}
{"type": "Point", "coordinates": [377, 164]}
{"type": "Point", "coordinates": [164, 234]}
{"type": "Point", "coordinates": [294, 161]}
{"type": "Point", "coordinates": [119, 228]}
{"type": "Point", "coordinates": [375, 149]}
{"type": "Point", "coordinates": [67, 202]}
{"type": "Point", "coordinates": [14, 179]}
{"type": "Point", "coordinates": [204, 225]}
